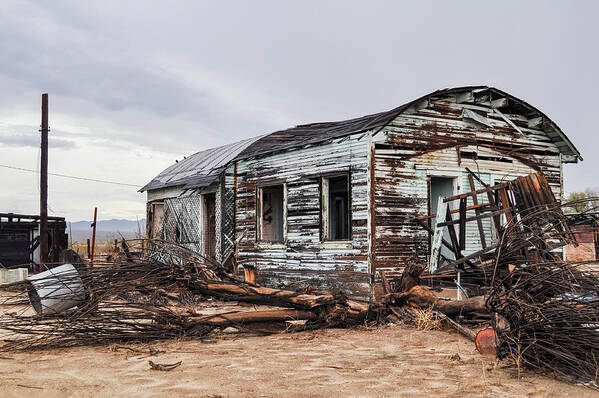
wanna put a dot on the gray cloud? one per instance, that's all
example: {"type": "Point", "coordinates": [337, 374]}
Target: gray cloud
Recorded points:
{"type": "Point", "coordinates": [34, 141]}
{"type": "Point", "coordinates": [168, 79]}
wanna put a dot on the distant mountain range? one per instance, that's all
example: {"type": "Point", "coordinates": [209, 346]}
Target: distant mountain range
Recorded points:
{"type": "Point", "coordinates": [107, 229]}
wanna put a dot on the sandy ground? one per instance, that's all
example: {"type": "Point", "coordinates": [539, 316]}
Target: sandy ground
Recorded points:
{"type": "Point", "coordinates": [392, 361]}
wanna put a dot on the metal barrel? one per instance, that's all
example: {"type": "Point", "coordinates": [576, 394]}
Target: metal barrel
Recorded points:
{"type": "Point", "coordinates": [56, 290]}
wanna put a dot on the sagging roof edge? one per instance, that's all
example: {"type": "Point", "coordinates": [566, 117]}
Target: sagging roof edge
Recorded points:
{"type": "Point", "coordinates": [377, 122]}
{"type": "Point", "coordinates": [553, 124]}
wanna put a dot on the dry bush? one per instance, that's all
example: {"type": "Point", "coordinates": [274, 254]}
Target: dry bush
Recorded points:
{"type": "Point", "coordinates": [426, 319]}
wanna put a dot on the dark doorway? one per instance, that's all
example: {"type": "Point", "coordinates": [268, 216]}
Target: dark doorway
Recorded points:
{"type": "Point", "coordinates": [209, 225]}
{"type": "Point", "coordinates": [441, 186]}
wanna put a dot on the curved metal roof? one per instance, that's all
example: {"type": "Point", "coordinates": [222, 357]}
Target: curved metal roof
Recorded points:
{"type": "Point", "coordinates": [314, 133]}
{"type": "Point", "coordinates": [202, 168]}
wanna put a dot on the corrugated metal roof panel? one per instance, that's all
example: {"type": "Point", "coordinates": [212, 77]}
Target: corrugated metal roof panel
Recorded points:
{"type": "Point", "coordinates": [200, 169]}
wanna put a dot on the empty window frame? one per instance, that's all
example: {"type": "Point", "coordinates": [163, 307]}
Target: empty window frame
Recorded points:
{"type": "Point", "coordinates": [209, 224]}
{"type": "Point", "coordinates": [272, 213]}
{"type": "Point", "coordinates": [336, 205]}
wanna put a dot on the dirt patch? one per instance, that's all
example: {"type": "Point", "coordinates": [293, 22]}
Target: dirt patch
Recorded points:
{"type": "Point", "coordinates": [383, 362]}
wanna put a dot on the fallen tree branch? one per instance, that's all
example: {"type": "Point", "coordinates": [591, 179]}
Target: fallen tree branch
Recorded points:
{"type": "Point", "coordinates": [423, 297]}
{"type": "Point", "coordinates": [164, 367]}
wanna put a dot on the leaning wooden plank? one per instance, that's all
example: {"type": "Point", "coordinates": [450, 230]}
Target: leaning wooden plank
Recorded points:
{"type": "Point", "coordinates": [492, 201]}
{"type": "Point", "coordinates": [479, 222]}
{"type": "Point", "coordinates": [478, 191]}
{"type": "Point", "coordinates": [540, 182]}
{"type": "Point", "coordinates": [453, 237]}
{"type": "Point", "coordinates": [438, 235]}
{"type": "Point", "coordinates": [473, 207]}
{"type": "Point", "coordinates": [474, 218]}
{"type": "Point", "coordinates": [473, 255]}
{"type": "Point", "coordinates": [431, 232]}
{"type": "Point", "coordinates": [505, 203]}
{"type": "Point", "coordinates": [463, 330]}
{"type": "Point", "coordinates": [508, 121]}
{"type": "Point", "coordinates": [462, 239]}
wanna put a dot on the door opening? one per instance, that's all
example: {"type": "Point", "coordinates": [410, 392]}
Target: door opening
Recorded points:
{"type": "Point", "coordinates": [209, 225]}
{"type": "Point", "coordinates": [441, 186]}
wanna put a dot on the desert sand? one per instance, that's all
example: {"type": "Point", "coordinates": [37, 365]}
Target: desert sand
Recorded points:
{"type": "Point", "coordinates": [390, 361]}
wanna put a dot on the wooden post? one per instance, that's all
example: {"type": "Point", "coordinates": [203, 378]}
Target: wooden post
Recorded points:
{"type": "Point", "coordinates": [479, 223]}
{"type": "Point", "coordinates": [89, 252]}
{"type": "Point", "coordinates": [505, 203]}
{"type": "Point", "coordinates": [250, 274]}
{"type": "Point", "coordinates": [91, 263]}
{"type": "Point", "coordinates": [44, 184]}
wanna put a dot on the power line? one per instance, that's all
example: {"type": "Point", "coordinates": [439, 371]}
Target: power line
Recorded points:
{"type": "Point", "coordinates": [73, 177]}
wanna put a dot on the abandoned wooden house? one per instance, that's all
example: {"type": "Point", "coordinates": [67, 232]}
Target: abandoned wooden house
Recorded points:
{"type": "Point", "coordinates": [330, 204]}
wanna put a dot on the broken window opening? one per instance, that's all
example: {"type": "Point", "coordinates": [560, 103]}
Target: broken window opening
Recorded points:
{"type": "Point", "coordinates": [336, 208]}
{"type": "Point", "coordinates": [271, 213]}
{"type": "Point", "coordinates": [209, 225]}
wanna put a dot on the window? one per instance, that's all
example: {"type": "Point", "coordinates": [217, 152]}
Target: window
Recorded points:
{"type": "Point", "coordinates": [209, 225]}
{"type": "Point", "coordinates": [335, 208]}
{"type": "Point", "coordinates": [271, 213]}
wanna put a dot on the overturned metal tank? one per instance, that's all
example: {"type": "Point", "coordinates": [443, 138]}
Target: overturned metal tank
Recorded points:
{"type": "Point", "coordinates": [56, 290]}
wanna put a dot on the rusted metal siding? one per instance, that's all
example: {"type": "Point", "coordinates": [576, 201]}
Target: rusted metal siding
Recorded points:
{"type": "Point", "coordinates": [433, 139]}
{"type": "Point", "coordinates": [304, 256]}
{"type": "Point", "coordinates": [400, 195]}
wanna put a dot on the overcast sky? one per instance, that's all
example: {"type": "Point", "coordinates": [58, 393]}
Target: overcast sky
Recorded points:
{"type": "Point", "coordinates": [134, 85]}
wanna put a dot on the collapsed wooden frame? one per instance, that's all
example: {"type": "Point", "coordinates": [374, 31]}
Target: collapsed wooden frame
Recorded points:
{"type": "Point", "coordinates": [514, 200]}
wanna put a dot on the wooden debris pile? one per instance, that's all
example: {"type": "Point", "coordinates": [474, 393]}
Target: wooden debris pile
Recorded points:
{"type": "Point", "coordinates": [545, 310]}
{"type": "Point", "coordinates": [137, 299]}
{"type": "Point", "coordinates": [506, 203]}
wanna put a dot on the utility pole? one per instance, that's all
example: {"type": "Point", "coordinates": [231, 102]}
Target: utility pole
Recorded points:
{"type": "Point", "coordinates": [44, 184]}
{"type": "Point", "coordinates": [91, 262]}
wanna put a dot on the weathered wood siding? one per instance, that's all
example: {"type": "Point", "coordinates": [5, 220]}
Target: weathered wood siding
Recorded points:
{"type": "Point", "coordinates": [434, 140]}
{"type": "Point", "coordinates": [303, 256]}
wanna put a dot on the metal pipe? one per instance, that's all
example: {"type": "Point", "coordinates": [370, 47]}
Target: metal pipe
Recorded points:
{"type": "Point", "coordinates": [44, 184]}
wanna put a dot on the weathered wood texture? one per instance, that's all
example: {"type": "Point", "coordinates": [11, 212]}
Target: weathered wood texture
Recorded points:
{"type": "Point", "coordinates": [434, 140]}
{"type": "Point", "coordinates": [391, 156]}
{"type": "Point", "coordinates": [302, 256]}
